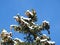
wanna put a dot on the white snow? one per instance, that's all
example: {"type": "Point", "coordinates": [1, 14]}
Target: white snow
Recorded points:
{"type": "Point", "coordinates": [30, 12]}
{"type": "Point", "coordinates": [37, 38]}
{"type": "Point", "coordinates": [43, 40]}
{"type": "Point", "coordinates": [46, 21]}
{"type": "Point", "coordinates": [25, 18]}
{"type": "Point", "coordinates": [51, 42]}
{"type": "Point", "coordinates": [33, 23]}
{"type": "Point", "coordinates": [30, 27]}
{"type": "Point", "coordinates": [4, 31]}
{"type": "Point", "coordinates": [15, 42]}
{"type": "Point", "coordinates": [9, 37]}
{"type": "Point", "coordinates": [44, 35]}
{"type": "Point", "coordinates": [24, 21]}
{"type": "Point", "coordinates": [15, 16]}
{"type": "Point", "coordinates": [14, 25]}
{"type": "Point", "coordinates": [19, 39]}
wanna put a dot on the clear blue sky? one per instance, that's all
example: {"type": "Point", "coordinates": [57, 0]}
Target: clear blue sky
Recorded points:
{"type": "Point", "coordinates": [46, 10]}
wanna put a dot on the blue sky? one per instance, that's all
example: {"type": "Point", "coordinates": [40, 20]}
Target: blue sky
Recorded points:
{"type": "Point", "coordinates": [46, 10]}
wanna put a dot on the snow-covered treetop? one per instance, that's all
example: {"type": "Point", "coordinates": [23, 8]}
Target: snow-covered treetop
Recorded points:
{"type": "Point", "coordinates": [4, 32]}
{"type": "Point", "coordinates": [46, 21]}
{"type": "Point", "coordinates": [29, 12]}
